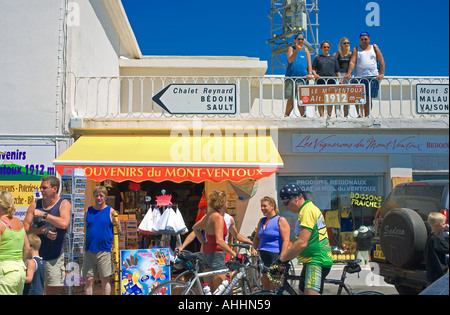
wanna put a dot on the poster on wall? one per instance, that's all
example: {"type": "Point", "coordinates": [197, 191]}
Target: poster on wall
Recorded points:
{"type": "Point", "coordinates": [142, 269]}
{"type": "Point", "coordinates": [21, 168]}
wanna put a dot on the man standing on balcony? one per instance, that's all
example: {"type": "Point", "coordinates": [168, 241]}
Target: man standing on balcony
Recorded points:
{"type": "Point", "coordinates": [298, 72]}
{"type": "Point", "coordinates": [365, 59]}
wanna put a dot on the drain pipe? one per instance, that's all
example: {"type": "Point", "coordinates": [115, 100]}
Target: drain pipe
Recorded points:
{"type": "Point", "coordinates": [60, 119]}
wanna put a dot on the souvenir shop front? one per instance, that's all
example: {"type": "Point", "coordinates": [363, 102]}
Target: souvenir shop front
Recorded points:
{"type": "Point", "coordinates": [349, 175]}
{"type": "Point", "coordinates": [158, 184]}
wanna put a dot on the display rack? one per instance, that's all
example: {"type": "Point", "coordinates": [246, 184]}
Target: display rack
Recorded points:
{"type": "Point", "coordinates": [73, 188]}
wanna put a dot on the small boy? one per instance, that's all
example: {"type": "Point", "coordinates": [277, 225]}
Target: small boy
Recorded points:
{"type": "Point", "coordinates": [436, 247]}
{"type": "Point", "coordinates": [34, 281]}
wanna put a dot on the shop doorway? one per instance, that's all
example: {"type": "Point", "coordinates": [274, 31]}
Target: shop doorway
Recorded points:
{"type": "Point", "coordinates": [131, 198]}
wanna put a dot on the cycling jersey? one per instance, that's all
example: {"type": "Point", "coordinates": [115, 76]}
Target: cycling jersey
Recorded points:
{"type": "Point", "coordinates": [318, 250]}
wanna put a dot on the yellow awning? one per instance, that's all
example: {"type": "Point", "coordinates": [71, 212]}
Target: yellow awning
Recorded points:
{"type": "Point", "coordinates": [178, 158]}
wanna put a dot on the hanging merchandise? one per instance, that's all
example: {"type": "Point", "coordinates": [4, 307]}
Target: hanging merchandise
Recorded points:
{"type": "Point", "coordinates": [244, 189]}
{"type": "Point", "coordinates": [171, 222]}
{"type": "Point", "coordinates": [180, 226]}
{"type": "Point", "coordinates": [202, 206]}
{"type": "Point", "coordinates": [347, 221]}
{"type": "Point", "coordinates": [147, 225]}
{"type": "Point", "coordinates": [156, 217]}
{"type": "Point", "coordinates": [160, 225]}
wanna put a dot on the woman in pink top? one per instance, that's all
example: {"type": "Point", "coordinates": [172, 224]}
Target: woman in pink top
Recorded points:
{"type": "Point", "coordinates": [214, 246]}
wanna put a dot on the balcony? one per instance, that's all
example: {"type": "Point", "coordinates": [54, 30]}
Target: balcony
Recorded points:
{"type": "Point", "coordinates": [126, 102]}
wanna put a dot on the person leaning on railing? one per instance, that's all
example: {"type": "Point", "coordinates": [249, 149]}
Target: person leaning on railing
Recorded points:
{"type": "Point", "coordinates": [365, 59]}
{"type": "Point", "coordinates": [298, 72]}
{"type": "Point", "coordinates": [325, 65]}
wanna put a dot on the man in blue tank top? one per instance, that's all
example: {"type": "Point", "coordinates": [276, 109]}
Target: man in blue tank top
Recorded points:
{"type": "Point", "coordinates": [299, 70]}
{"type": "Point", "coordinates": [49, 218]}
{"type": "Point", "coordinates": [99, 237]}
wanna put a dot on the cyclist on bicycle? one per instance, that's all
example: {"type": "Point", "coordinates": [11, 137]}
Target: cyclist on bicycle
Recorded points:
{"type": "Point", "coordinates": [312, 247]}
{"type": "Point", "coordinates": [213, 242]}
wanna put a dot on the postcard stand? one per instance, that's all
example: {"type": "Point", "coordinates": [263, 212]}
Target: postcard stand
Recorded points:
{"type": "Point", "coordinates": [73, 188]}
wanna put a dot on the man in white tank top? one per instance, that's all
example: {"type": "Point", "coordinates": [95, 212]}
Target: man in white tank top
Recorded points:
{"type": "Point", "coordinates": [364, 60]}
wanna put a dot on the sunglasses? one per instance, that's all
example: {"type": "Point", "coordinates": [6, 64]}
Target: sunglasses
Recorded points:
{"type": "Point", "coordinates": [300, 39]}
{"type": "Point", "coordinates": [346, 43]}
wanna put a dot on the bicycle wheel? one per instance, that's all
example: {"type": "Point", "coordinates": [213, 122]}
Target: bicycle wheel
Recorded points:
{"type": "Point", "coordinates": [254, 274]}
{"type": "Point", "coordinates": [173, 288]}
{"type": "Point", "coordinates": [369, 293]}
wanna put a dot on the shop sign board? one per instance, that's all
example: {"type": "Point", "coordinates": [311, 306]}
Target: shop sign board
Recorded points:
{"type": "Point", "coordinates": [336, 94]}
{"type": "Point", "coordinates": [21, 168]}
{"type": "Point", "coordinates": [142, 269]}
{"type": "Point", "coordinates": [175, 174]}
{"type": "Point", "coordinates": [208, 99]}
{"type": "Point", "coordinates": [370, 144]}
{"type": "Point", "coordinates": [432, 99]}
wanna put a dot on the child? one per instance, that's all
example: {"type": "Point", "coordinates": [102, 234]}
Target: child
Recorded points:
{"type": "Point", "coordinates": [34, 281]}
{"type": "Point", "coordinates": [436, 248]}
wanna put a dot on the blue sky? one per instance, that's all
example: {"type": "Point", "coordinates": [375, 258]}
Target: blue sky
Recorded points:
{"type": "Point", "coordinates": [412, 35]}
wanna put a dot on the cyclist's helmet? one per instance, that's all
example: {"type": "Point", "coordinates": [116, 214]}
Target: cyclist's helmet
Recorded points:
{"type": "Point", "coordinates": [290, 191]}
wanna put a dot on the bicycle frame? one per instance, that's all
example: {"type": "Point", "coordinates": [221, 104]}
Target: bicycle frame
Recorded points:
{"type": "Point", "coordinates": [197, 276]}
{"type": "Point", "coordinates": [285, 286]}
{"type": "Point", "coordinates": [238, 274]}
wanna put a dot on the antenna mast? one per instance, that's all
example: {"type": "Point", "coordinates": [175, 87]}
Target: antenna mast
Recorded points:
{"type": "Point", "coordinates": [290, 17]}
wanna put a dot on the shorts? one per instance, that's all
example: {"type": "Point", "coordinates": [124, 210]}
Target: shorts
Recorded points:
{"type": "Point", "coordinates": [12, 277]}
{"type": "Point", "coordinates": [268, 258]}
{"type": "Point", "coordinates": [97, 262]}
{"type": "Point", "coordinates": [289, 86]}
{"type": "Point", "coordinates": [215, 261]}
{"type": "Point", "coordinates": [313, 277]}
{"type": "Point", "coordinates": [371, 82]}
{"type": "Point", "coordinates": [55, 272]}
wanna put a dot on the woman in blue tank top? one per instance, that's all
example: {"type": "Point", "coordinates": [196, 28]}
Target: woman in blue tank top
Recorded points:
{"type": "Point", "coordinates": [272, 237]}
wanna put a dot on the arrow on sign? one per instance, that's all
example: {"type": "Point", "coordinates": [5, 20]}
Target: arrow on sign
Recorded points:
{"type": "Point", "coordinates": [207, 99]}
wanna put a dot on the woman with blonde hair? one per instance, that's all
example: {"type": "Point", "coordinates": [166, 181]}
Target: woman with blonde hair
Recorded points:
{"type": "Point", "coordinates": [14, 248]}
{"type": "Point", "coordinates": [343, 56]}
{"type": "Point", "coordinates": [214, 246]}
{"type": "Point", "coordinates": [272, 236]}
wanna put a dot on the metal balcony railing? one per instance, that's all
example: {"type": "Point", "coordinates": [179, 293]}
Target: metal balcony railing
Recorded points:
{"type": "Point", "coordinates": [119, 98]}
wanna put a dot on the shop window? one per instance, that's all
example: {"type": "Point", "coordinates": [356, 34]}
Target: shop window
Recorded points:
{"type": "Point", "coordinates": [347, 202]}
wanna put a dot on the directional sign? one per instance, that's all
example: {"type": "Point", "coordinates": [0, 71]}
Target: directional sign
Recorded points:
{"type": "Point", "coordinates": [198, 99]}
{"type": "Point", "coordinates": [432, 98]}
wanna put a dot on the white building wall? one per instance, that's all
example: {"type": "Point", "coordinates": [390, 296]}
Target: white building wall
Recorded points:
{"type": "Point", "coordinates": [29, 33]}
